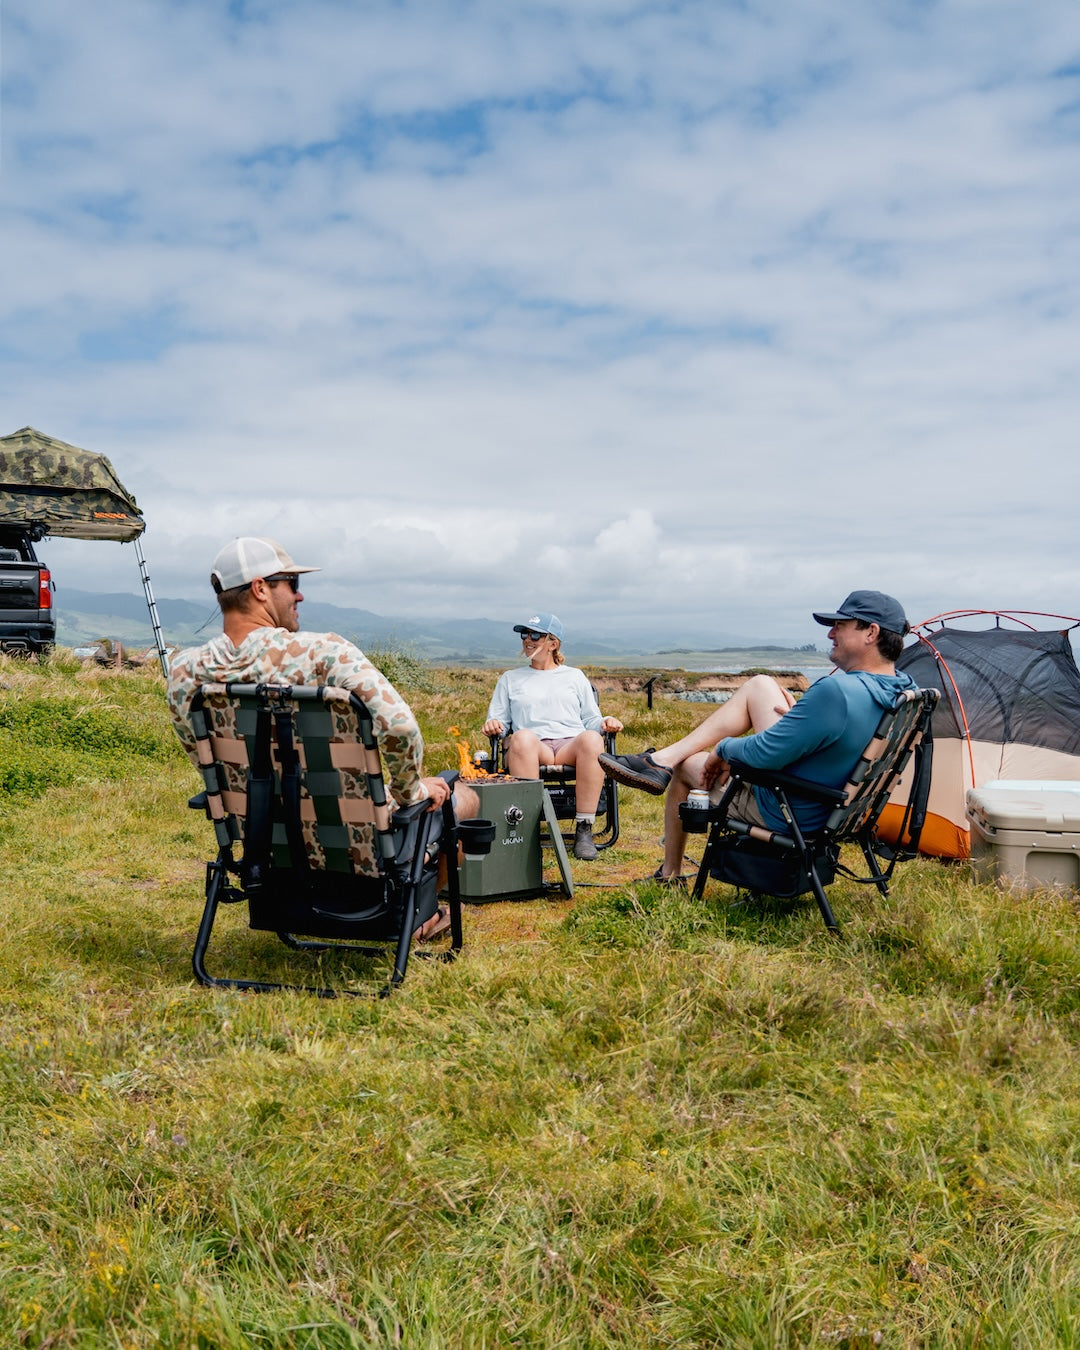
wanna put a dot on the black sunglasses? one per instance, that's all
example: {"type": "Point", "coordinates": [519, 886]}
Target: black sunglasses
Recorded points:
{"type": "Point", "coordinates": [532, 635]}
{"type": "Point", "coordinates": [289, 578]}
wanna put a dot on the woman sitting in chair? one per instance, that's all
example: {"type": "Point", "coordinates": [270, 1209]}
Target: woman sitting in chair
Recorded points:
{"type": "Point", "coordinates": [550, 713]}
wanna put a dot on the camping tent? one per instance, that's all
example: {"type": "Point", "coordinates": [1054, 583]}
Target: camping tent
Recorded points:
{"type": "Point", "coordinates": [56, 488]}
{"type": "Point", "coordinates": [1009, 708]}
{"type": "Point", "coordinates": [70, 492]}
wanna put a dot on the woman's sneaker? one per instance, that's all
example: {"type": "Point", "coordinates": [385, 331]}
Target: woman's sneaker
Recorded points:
{"type": "Point", "coordinates": [638, 771]}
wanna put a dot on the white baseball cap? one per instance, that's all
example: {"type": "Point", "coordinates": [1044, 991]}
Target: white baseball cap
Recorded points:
{"type": "Point", "coordinates": [248, 557]}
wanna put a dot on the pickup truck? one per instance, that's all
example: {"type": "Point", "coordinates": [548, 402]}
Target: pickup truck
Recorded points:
{"type": "Point", "coordinates": [27, 620]}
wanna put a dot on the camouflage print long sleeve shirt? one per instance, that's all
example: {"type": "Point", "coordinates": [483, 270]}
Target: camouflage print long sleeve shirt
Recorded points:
{"type": "Point", "coordinates": [276, 656]}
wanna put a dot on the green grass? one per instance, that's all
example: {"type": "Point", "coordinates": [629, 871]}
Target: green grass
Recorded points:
{"type": "Point", "coordinates": [629, 1121]}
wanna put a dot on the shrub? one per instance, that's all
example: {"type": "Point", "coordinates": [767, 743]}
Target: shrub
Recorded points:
{"type": "Point", "coordinates": [401, 666]}
{"type": "Point", "coordinates": [49, 740]}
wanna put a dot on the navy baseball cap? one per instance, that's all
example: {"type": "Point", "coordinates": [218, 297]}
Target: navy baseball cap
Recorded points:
{"type": "Point", "coordinates": [871, 607]}
{"type": "Point", "coordinates": [541, 623]}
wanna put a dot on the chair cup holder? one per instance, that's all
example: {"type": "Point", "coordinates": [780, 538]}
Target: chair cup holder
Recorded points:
{"type": "Point", "coordinates": [696, 819]}
{"type": "Point", "coordinates": [476, 836]}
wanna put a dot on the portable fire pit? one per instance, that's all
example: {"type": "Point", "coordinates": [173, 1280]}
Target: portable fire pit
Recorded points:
{"type": "Point", "coordinates": [514, 869]}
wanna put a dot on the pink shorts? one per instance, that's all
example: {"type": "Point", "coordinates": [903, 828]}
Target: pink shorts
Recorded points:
{"type": "Point", "coordinates": [556, 745]}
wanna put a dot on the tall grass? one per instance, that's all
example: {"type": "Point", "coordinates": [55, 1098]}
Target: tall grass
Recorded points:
{"type": "Point", "coordinates": [634, 1120]}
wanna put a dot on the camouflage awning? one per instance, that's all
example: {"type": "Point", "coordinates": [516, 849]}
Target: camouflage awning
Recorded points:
{"type": "Point", "coordinates": [69, 492]}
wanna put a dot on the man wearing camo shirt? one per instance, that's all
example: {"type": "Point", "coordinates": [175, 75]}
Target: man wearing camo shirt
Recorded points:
{"type": "Point", "coordinates": [258, 588]}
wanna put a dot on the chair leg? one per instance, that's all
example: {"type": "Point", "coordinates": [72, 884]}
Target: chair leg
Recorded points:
{"type": "Point", "coordinates": [215, 879]}
{"type": "Point", "coordinates": [879, 878]}
{"type": "Point", "coordinates": [823, 901]}
{"type": "Point", "coordinates": [453, 879]}
{"type": "Point", "coordinates": [401, 958]}
{"type": "Point", "coordinates": [611, 819]}
{"type": "Point", "coordinates": [426, 836]}
{"type": "Point", "coordinates": [706, 863]}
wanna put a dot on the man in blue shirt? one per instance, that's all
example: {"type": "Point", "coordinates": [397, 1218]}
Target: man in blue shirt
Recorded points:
{"type": "Point", "coordinates": [819, 738]}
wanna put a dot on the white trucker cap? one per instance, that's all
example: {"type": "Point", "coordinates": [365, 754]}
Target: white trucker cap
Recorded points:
{"type": "Point", "coordinates": [248, 557]}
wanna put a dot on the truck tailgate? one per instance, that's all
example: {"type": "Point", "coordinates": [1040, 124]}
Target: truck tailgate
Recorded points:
{"type": "Point", "coordinates": [19, 585]}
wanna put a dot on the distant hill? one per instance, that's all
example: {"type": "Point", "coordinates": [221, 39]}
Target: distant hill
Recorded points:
{"type": "Point", "coordinates": [84, 617]}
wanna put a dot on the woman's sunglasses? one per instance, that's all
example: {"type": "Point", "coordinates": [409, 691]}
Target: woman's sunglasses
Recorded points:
{"type": "Point", "coordinates": [531, 635]}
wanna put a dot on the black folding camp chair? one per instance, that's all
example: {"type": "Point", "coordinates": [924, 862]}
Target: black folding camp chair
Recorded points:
{"type": "Point", "coordinates": [789, 864]}
{"type": "Point", "coordinates": [292, 775]}
{"type": "Point", "coordinates": [561, 783]}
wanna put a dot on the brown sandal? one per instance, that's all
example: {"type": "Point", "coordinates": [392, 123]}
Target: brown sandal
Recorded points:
{"type": "Point", "coordinates": [442, 923]}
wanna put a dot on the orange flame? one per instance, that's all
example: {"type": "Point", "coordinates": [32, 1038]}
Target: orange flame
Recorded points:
{"type": "Point", "coordinates": [466, 767]}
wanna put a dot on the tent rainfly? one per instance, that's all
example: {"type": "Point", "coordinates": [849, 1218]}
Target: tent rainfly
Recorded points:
{"type": "Point", "coordinates": [59, 489]}
{"type": "Point", "coordinates": [1009, 709]}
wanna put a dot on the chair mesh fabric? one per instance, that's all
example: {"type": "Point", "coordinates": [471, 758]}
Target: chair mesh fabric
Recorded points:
{"type": "Point", "coordinates": [882, 762]}
{"type": "Point", "coordinates": [345, 817]}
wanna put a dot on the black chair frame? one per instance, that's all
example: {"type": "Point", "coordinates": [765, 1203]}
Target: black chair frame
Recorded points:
{"type": "Point", "coordinates": [792, 863]}
{"type": "Point", "coordinates": [343, 910]}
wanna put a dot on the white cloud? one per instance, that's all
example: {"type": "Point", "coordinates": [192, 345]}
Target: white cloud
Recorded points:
{"type": "Point", "coordinates": [692, 312]}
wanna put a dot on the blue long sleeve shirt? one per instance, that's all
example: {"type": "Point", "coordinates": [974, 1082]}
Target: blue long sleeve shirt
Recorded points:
{"type": "Point", "coordinates": [820, 738]}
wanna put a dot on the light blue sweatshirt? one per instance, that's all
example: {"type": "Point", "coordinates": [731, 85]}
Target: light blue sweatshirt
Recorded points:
{"type": "Point", "coordinates": [820, 738]}
{"type": "Point", "coordinates": [554, 703]}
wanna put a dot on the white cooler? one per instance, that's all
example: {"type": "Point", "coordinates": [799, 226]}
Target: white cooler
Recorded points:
{"type": "Point", "coordinates": [1026, 833]}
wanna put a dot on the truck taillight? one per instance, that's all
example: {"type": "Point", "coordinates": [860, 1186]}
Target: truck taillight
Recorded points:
{"type": "Point", "coordinates": [45, 590]}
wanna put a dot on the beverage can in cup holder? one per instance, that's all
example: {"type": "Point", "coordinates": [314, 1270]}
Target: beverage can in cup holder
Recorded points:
{"type": "Point", "coordinates": [693, 811]}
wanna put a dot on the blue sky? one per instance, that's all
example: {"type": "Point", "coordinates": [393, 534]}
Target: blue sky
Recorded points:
{"type": "Point", "coordinates": [671, 317]}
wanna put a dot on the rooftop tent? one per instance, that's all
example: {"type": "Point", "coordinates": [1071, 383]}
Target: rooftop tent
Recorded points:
{"type": "Point", "coordinates": [68, 492]}
{"type": "Point", "coordinates": [54, 488]}
{"type": "Point", "coordinates": [1009, 708]}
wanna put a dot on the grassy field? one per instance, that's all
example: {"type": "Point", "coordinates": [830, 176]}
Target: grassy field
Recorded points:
{"type": "Point", "coordinates": [628, 1121]}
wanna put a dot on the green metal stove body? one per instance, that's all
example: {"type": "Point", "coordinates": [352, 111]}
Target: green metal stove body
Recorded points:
{"type": "Point", "coordinates": [514, 869]}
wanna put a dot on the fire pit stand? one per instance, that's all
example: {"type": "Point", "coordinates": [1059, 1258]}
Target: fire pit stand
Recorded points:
{"type": "Point", "coordinates": [514, 870]}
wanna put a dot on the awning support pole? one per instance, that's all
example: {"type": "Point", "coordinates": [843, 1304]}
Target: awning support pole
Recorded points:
{"type": "Point", "coordinates": [151, 604]}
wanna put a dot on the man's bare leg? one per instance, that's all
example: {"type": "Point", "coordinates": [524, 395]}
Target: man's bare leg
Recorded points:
{"type": "Point", "coordinates": [755, 705]}
{"type": "Point", "coordinates": [687, 775]}
{"type": "Point", "coordinates": [759, 704]}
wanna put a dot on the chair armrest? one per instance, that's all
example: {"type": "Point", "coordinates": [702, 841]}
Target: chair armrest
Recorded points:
{"type": "Point", "coordinates": [405, 815]}
{"type": "Point", "coordinates": [776, 778]}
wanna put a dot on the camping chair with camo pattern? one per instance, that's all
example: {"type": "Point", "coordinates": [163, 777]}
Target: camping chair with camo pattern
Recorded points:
{"type": "Point", "coordinates": [789, 864]}
{"type": "Point", "coordinates": [293, 777]}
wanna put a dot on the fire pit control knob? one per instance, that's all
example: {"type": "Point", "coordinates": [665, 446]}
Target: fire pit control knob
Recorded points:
{"type": "Point", "coordinates": [514, 815]}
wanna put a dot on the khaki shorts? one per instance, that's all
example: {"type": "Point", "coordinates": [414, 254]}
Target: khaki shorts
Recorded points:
{"type": "Point", "coordinates": [743, 806]}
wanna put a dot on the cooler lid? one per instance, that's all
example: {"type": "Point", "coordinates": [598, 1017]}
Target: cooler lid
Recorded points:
{"type": "Point", "coordinates": [1053, 807]}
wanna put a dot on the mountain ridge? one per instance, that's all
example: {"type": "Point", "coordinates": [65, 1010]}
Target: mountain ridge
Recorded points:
{"type": "Point", "coordinates": [86, 616]}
